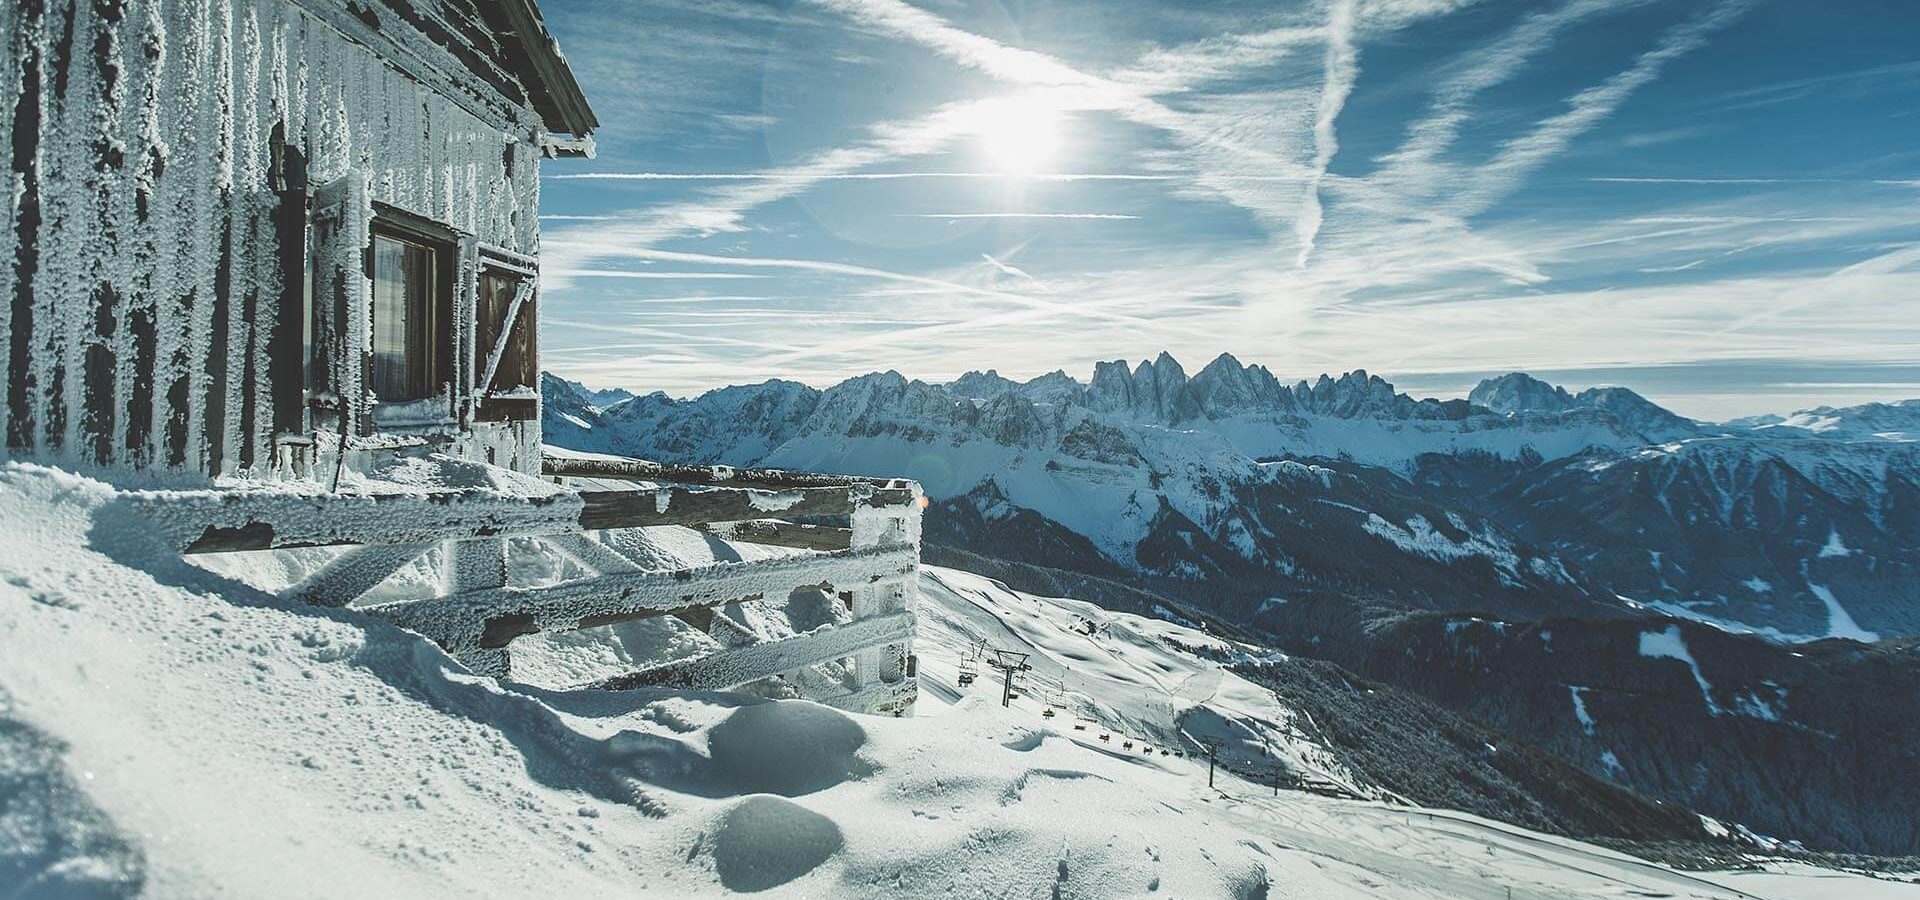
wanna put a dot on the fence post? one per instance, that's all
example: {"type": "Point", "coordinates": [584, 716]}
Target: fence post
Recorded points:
{"type": "Point", "coordinates": [874, 527]}
{"type": "Point", "coordinates": [473, 565]}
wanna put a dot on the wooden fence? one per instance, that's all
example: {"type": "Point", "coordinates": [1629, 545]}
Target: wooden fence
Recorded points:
{"type": "Point", "coordinates": [871, 563]}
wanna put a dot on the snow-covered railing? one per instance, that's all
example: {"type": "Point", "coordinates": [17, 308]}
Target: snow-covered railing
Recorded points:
{"type": "Point", "coordinates": [872, 563]}
{"type": "Point", "coordinates": [883, 515]}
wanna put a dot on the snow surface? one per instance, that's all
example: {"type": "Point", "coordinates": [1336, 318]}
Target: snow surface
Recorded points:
{"type": "Point", "coordinates": [1839, 623]}
{"type": "Point", "coordinates": [178, 733]}
{"type": "Point", "coordinates": [1668, 644]}
{"type": "Point", "coordinates": [1576, 692]}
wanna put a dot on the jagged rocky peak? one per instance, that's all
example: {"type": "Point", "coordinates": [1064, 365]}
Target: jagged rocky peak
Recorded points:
{"type": "Point", "coordinates": [1155, 390]}
{"type": "Point", "coordinates": [1159, 390]}
{"type": "Point", "coordinates": [1055, 387]}
{"type": "Point", "coordinates": [1354, 395]}
{"type": "Point", "coordinates": [982, 385]}
{"type": "Point", "coordinates": [1226, 386]}
{"type": "Point", "coordinates": [881, 401]}
{"type": "Point", "coordinates": [1636, 412]}
{"type": "Point", "coordinates": [573, 393]}
{"type": "Point", "coordinates": [1518, 392]}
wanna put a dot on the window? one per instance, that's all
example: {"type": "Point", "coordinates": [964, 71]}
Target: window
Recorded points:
{"type": "Point", "coordinates": [505, 306]}
{"type": "Point", "coordinates": [403, 319]}
{"type": "Point", "coordinates": [410, 315]}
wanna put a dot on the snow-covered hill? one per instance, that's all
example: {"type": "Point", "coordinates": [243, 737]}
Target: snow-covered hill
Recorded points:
{"type": "Point", "coordinates": [168, 730]}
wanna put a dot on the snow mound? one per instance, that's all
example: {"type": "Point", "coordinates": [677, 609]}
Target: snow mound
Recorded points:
{"type": "Point", "coordinates": [788, 749]}
{"type": "Point", "coordinates": [764, 842]}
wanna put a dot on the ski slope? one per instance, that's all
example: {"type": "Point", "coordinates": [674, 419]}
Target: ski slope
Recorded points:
{"type": "Point", "coordinates": [171, 731]}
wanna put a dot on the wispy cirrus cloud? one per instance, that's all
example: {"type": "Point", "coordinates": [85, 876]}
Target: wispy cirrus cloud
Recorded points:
{"type": "Point", "coordinates": [809, 176]}
{"type": "Point", "coordinates": [1013, 215]}
{"type": "Point", "coordinates": [1341, 69]}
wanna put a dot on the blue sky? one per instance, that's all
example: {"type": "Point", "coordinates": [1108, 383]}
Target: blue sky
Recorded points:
{"type": "Point", "coordinates": [1715, 201]}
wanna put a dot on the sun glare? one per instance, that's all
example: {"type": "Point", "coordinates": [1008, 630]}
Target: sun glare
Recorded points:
{"type": "Point", "coordinates": [1021, 136]}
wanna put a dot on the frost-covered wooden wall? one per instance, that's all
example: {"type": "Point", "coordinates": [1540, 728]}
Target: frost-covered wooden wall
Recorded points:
{"type": "Point", "coordinates": [142, 278]}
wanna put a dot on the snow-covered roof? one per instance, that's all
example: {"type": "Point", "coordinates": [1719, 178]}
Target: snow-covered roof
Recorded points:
{"type": "Point", "coordinates": [532, 54]}
{"type": "Point", "coordinates": [503, 44]}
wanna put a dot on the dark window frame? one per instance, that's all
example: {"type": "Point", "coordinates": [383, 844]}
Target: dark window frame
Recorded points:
{"type": "Point", "coordinates": [441, 313]}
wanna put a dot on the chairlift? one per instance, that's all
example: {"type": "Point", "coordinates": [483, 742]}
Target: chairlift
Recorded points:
{"type": "Point", "coordinates": [1126, 745]}
{"type": "Point", "coordinates": [1105, 736]}
{"type": "Point", "coordinates": [1047, 713]}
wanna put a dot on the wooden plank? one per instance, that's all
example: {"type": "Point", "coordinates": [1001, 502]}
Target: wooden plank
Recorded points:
{"type": "Point", "coordinates": [679, 505]}
{"type": "Point", "coordinates": [353, 573]}
{"type": "Point", "coordinates": [493, 618]}
{"type": "Point", "coordinates": [228, 521]}
{"type": "Point", "coordinates": [732, 668]}
{"type": "Point", "coordinates": [592, 554]}
{"type": "Point", "coordinates": [286, 350]}
{"type": "Point", "coordinates": [783, 534]}
{"type": "Point", "coordinates": [720, 476]}
{"type": "Point", "coordinates": [224, 521]}
{"type": "Point", "coordinates": [476, 564]}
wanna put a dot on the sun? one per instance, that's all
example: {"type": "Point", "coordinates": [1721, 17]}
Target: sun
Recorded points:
{"type": "Point", "coordinates": [1021, 135]}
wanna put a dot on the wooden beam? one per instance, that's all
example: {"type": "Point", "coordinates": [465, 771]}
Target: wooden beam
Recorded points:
{"type": "Point", "coordinates": [353, 573]}
{"type": "Point", "coordinates": [591, 554]}
{"type": "Point", "coordinates": [718, 476]}
{"type": "Point", "coordinates": [494, 617]}
{"type": "Point", "coordinates": [783, 534]}
{"type": "Point", "coordinates": [219, 521]}
{"type": "Point", "coordinates": [229, 521]}
{"type": "Point", "coordinates": [679, 505]}
{"type": "Point", "coordinates": [732, 668]}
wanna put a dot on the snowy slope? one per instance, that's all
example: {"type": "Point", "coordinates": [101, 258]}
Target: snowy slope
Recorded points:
{"type": "Point", "coordinates": [167, 731]}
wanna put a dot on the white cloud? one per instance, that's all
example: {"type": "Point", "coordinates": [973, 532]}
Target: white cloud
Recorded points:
{"type": "Point", "coordinates": [1341, 69]}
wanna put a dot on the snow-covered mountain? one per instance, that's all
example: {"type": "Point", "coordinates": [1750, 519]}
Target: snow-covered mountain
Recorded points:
{"type": "Point", "coordinates": [169, 730]}
{"type": "Point", "coordinates": [1524, 500]}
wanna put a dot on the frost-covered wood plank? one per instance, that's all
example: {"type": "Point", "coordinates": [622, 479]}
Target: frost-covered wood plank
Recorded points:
{"type": "Point", "coordinates": [679, 505]}
{"type": "Point", "coordinates": [231, 520]}
{"type": "Point", "coordinates": [353, 573]}
{"type": "Point", "coordinates": [723, 476]}
{"type": "Point", "coordinates": [731, 668]}
{"type": "Point", "coordinates": [591, 554]}
{"type": "Point", "coordinates": [493, 618]}
{"type": "Point", "coordinates": [783, 534]}
{"type": "Point", "coordinates": [227, 521]}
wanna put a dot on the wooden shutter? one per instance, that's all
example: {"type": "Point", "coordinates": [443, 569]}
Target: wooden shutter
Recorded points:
{"type": "Point", "coordinates": [342, 292]}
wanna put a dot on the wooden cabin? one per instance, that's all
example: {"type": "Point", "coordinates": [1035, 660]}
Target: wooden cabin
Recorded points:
{"type": "Point", "coordinates": [247, 236]}
{"type": "Point", "coordinates": [252, 244]}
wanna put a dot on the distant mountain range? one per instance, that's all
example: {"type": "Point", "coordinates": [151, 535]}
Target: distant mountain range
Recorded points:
{"type": "Point", "coordinates": [1507, 555]}
{"type": "Point", "coordinates": [1523, 499]}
